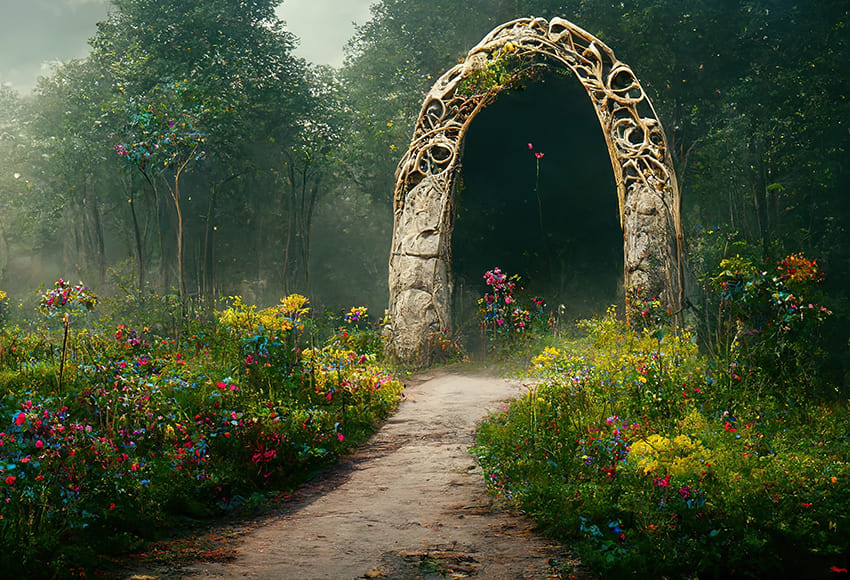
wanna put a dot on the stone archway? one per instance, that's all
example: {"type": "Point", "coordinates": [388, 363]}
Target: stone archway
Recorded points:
{"type": "Point", "coordinates": [420, 276]}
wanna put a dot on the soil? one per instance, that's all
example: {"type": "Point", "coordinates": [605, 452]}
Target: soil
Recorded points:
{"type": "Point", "coordinates": [411, 504]}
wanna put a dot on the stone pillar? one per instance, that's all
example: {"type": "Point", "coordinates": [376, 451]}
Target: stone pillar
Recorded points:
{"type": "Point", "coordinates": [651, 256]}
{"type": "Point", "coordinates": [420, 281]}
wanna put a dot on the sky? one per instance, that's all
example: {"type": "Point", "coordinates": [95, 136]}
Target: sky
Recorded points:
{"type": "Point", "coordinates": [34, 34]}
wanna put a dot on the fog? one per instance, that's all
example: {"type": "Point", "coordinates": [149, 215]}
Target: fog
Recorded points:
{"type": "Point", "coordinates": [35, 35]}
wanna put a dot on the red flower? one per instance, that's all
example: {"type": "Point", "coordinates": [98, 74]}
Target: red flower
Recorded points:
{"type": "Point", "coordinates": [10, 480]}
{"type": "Point", "coordinates": [20, 418]}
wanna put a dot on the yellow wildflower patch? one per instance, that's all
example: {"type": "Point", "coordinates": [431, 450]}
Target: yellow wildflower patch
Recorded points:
{"type": "Point", "coordinates": [681, 456]}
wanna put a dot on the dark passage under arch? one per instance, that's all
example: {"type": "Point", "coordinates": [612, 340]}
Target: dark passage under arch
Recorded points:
{"type": "Point", "coordinates": [552, 220]}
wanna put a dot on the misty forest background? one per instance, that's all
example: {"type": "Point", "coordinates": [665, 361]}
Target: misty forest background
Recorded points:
{"type": "Point", "coordinates": [192, 153]}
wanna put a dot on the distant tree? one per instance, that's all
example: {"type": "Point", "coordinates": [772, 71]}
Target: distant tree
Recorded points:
{"type": "Point", "coordinates": [163, 140]}
{"type": "Point", "coordinates": [227, 65]}
{"type": "Point", "coordinates": [393, 59]}
{"type": "Point", "coordinates": [13, 181]}
{"type": "Point", "coordinates": [70, 128]}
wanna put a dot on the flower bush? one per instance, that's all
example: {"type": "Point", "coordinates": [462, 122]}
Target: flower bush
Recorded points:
{"type": "Point", "coordinates": [153, 429]}
{"type": "Point", "coordinates": [772, 327]}
{"type": "Point", "coordinates": [64, 298]}
{"type": "Point", "coordinates": [508, 318]}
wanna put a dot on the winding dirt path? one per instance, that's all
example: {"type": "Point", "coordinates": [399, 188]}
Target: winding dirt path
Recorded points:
{"type": "Point", "coordinates": [411, 504]}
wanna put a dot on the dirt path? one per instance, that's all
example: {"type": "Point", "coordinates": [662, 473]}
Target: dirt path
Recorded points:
{"type": "Point", "coordinates": [412, 504]}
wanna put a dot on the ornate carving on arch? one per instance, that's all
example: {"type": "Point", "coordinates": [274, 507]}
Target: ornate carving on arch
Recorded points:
{"type": "Point", "coordinates": [420, 259]}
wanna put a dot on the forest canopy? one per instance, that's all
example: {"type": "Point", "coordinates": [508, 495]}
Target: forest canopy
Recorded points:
{"type": "Point", "coordinates": [193, 152]}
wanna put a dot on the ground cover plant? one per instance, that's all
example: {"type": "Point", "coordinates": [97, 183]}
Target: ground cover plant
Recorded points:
{"type": "Point", "coordinates": [111, 433]}
{"type": "Point", "coordinates": [656, 460]}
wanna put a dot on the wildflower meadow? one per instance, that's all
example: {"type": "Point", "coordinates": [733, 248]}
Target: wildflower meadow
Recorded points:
{"type": "Point", "coordinates": [112, 432]}
{"type": "Point", "coordinates": [656, 459]}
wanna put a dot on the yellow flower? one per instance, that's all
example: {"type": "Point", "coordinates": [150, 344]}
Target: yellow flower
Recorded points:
{"type": "Point", "coordinates": [681, 456]}
{"type": "Point", "coordinates": [295, 304]}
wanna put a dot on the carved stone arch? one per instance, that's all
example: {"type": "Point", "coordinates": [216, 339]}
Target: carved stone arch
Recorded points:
{"type": "Point", "coordinates": [420, 278]}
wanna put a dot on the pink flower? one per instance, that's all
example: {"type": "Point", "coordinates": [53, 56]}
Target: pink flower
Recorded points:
{"type": "Point", "coordinates": [39, 444]}
{"type": "Point", "coordinates": [530, 147]}
{"type": "Point", "coordinates": [20, 418]}
{"type": "Point", "coordinates": [340, 436]}
{"type": "Point", "coordinates": [539, 155]}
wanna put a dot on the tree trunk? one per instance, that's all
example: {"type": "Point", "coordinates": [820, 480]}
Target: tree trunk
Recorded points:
{"type": "Point", "coordinates": [175, 197]}
{"type": "Point", "coordinates": [140, 252]}
{"type": "Point", "coordinates": [4, 251]}
{"type": "Point", "coordinates": [97, 238]}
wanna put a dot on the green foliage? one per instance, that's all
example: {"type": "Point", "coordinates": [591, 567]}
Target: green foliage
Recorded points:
{"type": "Point", "coordinates": [764, 321]}
{"type": "Point", "coordinates": [162, 132]}
{"type": "Point", "coordinates": [4, 308]}
{"type": "Point", "coordinates": [506, 69]}
{"type": "Point", "coordinates": [775, 340]}
{"type": "Point", "coordinates": [631, 446]}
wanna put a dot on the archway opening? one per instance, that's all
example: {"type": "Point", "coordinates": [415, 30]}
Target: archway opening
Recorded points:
{"type": "Point", "coordinates": [551, 219]}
